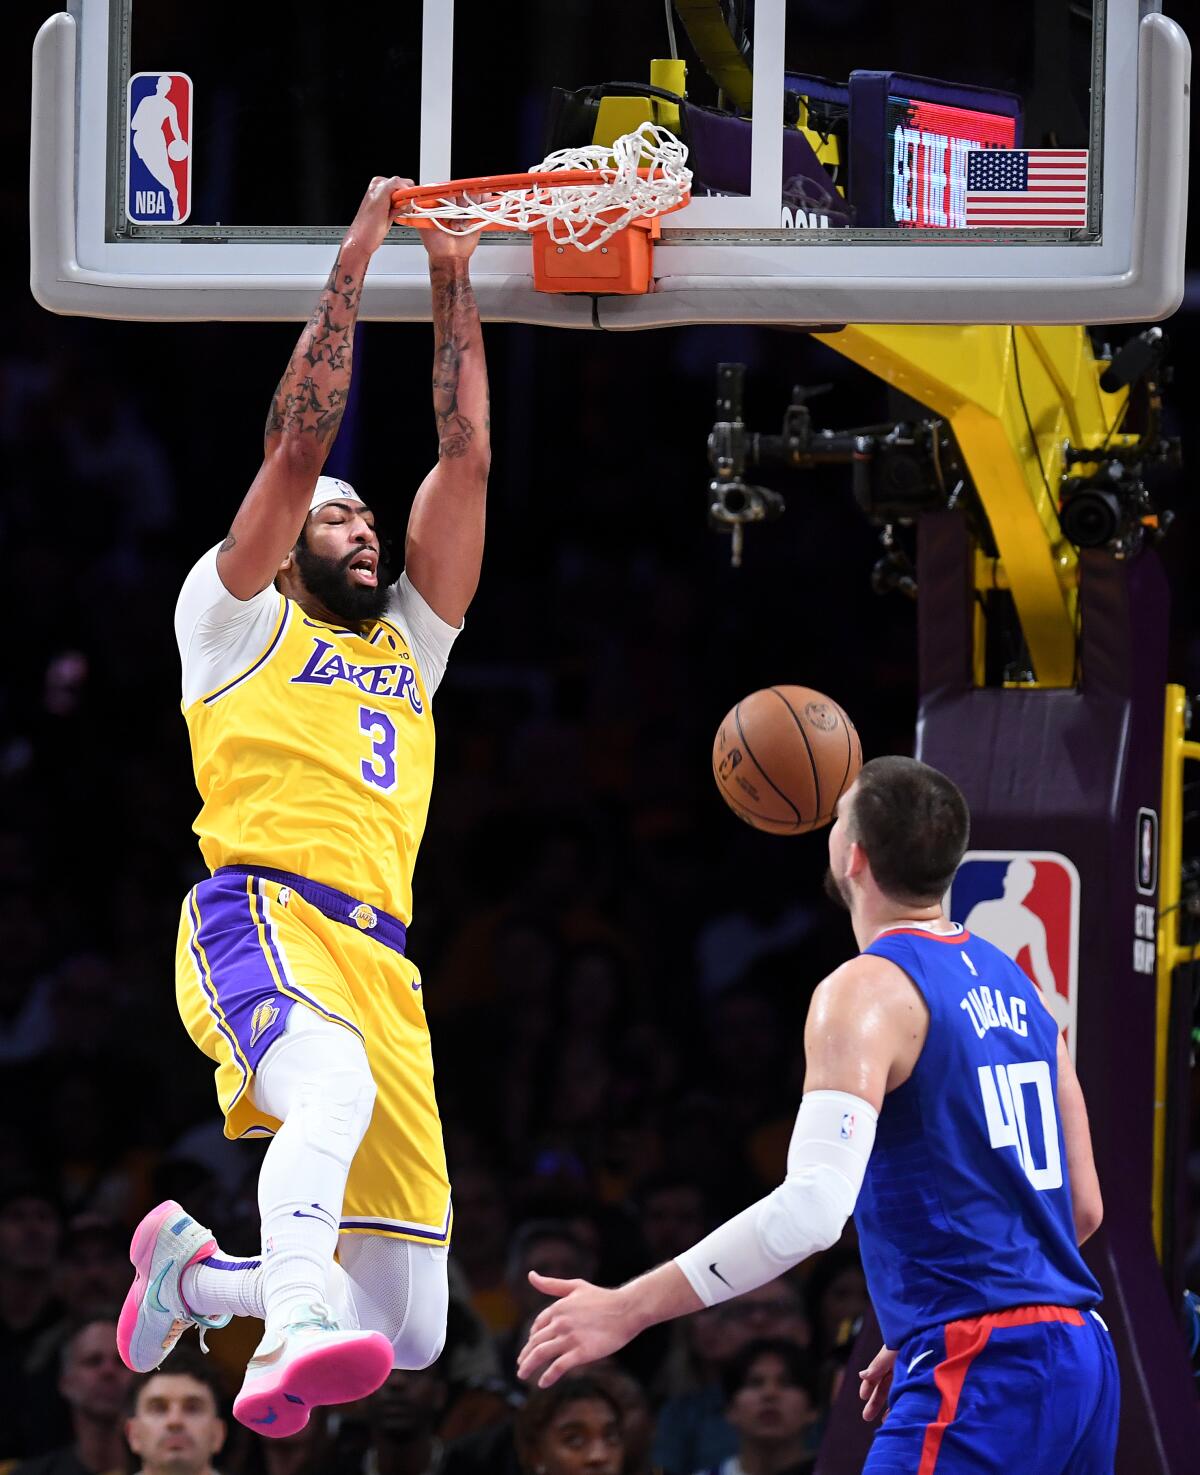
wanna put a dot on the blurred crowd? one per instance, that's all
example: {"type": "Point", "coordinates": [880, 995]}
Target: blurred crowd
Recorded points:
{"type": "Point", "coordinates": [616, 970]}
{"type": "Point", "coordinates": [743, 1387]}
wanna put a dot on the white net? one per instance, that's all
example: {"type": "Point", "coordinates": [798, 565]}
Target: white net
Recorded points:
{"type": "Point", "coordinates": [643, 174]}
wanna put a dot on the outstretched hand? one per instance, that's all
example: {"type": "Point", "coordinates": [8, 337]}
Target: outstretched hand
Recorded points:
{"type": "Point", "coordinates": [876, 1383]}
{"type": "Point", "coordinates": [376, 214]}
{"type": "Point", "coordinates": [453, 244]}
{"type": "Point", "coordinates": [586, 1324]}
{"type": "Point", "coordinates": [453, 240]}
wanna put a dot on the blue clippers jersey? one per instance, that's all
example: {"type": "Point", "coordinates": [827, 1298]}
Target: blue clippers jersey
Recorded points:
{"type": "Point", "coordinates": [966, 1207]}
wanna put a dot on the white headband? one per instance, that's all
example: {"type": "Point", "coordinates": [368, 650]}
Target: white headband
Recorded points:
{"type": "Point", "coordinates": [333, 489]}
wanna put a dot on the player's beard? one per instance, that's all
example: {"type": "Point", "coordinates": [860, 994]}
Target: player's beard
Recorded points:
{"type": "Point", "coordinates": [328, 579]}
{"type": "Point", "coordinates": [834, 891]}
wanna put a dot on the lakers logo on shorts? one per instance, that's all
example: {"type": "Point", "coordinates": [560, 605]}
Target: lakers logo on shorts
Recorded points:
{"type": "Point", "coordinates": [364, 916]}
{"type": "Point", "coordinates": [264, 1016]}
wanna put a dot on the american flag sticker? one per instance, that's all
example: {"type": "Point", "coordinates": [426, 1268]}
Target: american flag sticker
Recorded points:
{"type": "Point", "coordinates": [1027, 187]}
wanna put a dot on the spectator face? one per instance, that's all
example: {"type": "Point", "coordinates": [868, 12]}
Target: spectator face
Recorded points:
{"type": "Point", "coordinates": [29, 1232]}
{"type": "Point", "coordinates": [583, 1438]}
{"type": "Point", "coordinates": [549, 1255]}
{"type": "Point", "coordinates": [84, 1019]}
{"type": "Point", "coordinates": [713, 1337]}
{"type": "Point", "coordinates": [94, 1380]}
{"type": "Point", "coordinates": [592, 993]}
{"type": "Point", "coordinates": [408, 1404]}
{"type": "Point", "coordinates": [746, 1039]}
{"type": "Point", "coordinates": [175, 1428]}
{"type": "Point", "coordinates": [773, 1310]}
{"type": "Point", "coordinates": [844, 1299]}
{"type": "Point", "coordinates": [584, 1086]}
{"type": "Point", "coordinates": [769, 1407]}
{"type": "Point", "coordinates": [637, 1422]}
{"type": "Point", "coordinates": [481, 1223]}
{"type": "Point", "coordinates": [526, 958]}
{"type": "Point", "coordinates": [586, 1233]}
{"type": "Point", "coordinates": [672, 1221]}
{"type": "Point", "coordinates": [94, 1274]}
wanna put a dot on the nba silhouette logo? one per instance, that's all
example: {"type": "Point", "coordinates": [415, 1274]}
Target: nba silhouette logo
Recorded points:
{"type": "Point", "coordinates": [158, 148]}
{"type": "Point", "coordinates": [1026, 902]}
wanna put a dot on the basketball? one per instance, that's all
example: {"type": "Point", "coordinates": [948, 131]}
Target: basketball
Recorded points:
{"type": "Point", "coordinates": [177, 149]}
{"type": "Point", "coordinates": [783, 757]}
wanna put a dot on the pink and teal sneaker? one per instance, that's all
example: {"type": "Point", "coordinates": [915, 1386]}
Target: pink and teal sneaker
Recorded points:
{"type": "Point", "coordinates": [304, 1363]}
{"type": "Point", "coordinates": [155, 1315]}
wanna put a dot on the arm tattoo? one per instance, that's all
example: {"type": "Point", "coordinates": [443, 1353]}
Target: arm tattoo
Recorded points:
{"type": "Point", "coordinates": [311, 397]}
{"type": "Point", "coordinates": [230, 542]}
{"type": "Point", "coordinates": [451, 296]}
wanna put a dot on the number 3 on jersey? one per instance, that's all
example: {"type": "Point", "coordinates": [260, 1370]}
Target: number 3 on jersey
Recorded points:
{"type": "Point", "coordinates": [1003, 1093]}
{"type": "Point", "coordinates": [380, 769]}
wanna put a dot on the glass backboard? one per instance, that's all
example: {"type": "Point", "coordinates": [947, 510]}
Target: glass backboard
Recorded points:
{"type": "Point", "coordinates": [866, 161]}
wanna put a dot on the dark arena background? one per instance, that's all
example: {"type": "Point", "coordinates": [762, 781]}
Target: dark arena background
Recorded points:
{"type": "Point", "coordinates": [616, 969]}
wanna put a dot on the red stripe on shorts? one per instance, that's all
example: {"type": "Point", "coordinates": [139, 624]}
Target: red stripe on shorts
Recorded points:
{"type": "Point", "coordinates": [965, 1340]}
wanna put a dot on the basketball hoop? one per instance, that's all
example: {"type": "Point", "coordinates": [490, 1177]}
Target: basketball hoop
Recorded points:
{"type": "Point", "coordinates": [592, 211]}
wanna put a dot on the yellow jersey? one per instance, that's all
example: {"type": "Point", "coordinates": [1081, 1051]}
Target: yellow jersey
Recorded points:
{"type": "Point", "coordinates": [313, 745]}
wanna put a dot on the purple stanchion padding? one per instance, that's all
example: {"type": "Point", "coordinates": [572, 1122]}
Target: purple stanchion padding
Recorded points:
{"type": "Point", "coordinates": [1067, 771]}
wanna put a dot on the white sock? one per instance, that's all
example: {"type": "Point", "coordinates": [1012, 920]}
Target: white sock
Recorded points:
{"type": "Point", "coordinates": [299, 1234]}
{"type": "Point", "coordinates": [219, 1283]}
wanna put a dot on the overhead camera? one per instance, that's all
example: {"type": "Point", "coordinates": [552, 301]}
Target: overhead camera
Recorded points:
{"type": "Point", "coordinates": [1113, 510]}
{"type": "Point", "coordinates": [734, 504]}
{"type": "Point", "coordinates": [1109, 505]}
{"type": "Point", "coordinates": [732, 501]}
{"type": "Point", "coordinates": [897, 470]}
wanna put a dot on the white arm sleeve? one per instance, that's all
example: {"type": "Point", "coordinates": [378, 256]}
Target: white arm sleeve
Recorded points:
{"type": "Point", "coordinates": [827, 1159]}
{"type": "Point", "coordinates": [218, 634]}
{"type": "Point", "coordinates": [428, 634]}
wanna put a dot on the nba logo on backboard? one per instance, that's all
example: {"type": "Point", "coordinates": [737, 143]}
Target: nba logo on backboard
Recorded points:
{"type": "Point", "coordinates": [1026, 902]}
{"type": "Point", "coordinates": [158, 148]}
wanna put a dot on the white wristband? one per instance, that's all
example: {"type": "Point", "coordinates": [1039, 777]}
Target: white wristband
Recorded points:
{"type": "Point", "coordinates": [827, 1158]}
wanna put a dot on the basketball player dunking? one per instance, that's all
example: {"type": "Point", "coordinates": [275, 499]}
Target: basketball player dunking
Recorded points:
{"type": "Point", "coordinates": [307, 682]}
{"type": "Point", "coordinates": [941, 1106]}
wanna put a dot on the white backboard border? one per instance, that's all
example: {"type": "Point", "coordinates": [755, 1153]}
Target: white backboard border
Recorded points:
{"type": "Point", "coordinates": [722, 269]}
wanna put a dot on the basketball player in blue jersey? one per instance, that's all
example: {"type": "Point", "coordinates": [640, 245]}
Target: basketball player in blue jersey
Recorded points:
{"type": "Point", "coordinates": [941, 1107]}
{"type": "Point", "coordinates": [308, 673]}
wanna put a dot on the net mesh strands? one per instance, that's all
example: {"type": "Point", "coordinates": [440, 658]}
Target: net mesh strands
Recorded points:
{"type": "Point", "coordinates": [640, 175]}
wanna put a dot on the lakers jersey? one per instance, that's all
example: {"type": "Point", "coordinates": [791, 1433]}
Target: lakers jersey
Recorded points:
{"type": "Point", "coordinates": [966, 1205]}
{"type": "Point", "coordinates": [313, 744]}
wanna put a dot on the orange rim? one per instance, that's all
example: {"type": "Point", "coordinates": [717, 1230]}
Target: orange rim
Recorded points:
{"type": "Point", "coordinates": [497, 183]}
{"type": "Point", "coordinates": [493, 184]}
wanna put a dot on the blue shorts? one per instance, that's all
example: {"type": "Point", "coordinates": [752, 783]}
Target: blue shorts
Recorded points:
{"type": "Point", "coordinates": [1033, 1389]}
